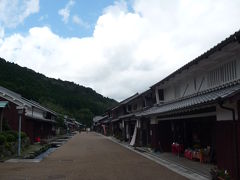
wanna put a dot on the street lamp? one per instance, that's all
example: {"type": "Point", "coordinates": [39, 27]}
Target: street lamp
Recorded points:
{"type": "Point", "coordinates": [20, 110]}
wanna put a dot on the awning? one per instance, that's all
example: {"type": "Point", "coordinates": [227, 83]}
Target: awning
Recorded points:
{"type": "Point", "coordinates": [209, 96]}
{"type": "Point", "coordinates": [3, 104]}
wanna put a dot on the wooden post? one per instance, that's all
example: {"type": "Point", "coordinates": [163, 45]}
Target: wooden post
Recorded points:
{"type": "Point", "coordinates": [1, 121]}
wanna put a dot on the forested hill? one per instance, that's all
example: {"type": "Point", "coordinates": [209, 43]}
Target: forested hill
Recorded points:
{"type": "Point", "coordinates": [62, 96]}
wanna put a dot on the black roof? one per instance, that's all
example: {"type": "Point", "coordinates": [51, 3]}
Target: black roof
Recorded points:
{"type": "Point", "coordinates": [125, 101]}
{"type": "Point", "coordinates": [196, 100]}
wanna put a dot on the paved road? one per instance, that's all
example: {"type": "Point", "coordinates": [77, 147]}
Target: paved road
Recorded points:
{"type": "Point", "coordinates": [89, 156]}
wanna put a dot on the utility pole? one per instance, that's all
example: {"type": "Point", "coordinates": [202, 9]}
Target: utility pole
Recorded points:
{"type": "Point", "coordinates": [20, 110]}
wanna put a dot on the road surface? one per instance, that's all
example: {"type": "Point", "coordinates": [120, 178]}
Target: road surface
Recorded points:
{"type": "Point", "coordinates": [89, 156]}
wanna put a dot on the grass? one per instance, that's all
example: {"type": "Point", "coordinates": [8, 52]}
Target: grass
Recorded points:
{"type": "Point", "coordinates": [26, 152]}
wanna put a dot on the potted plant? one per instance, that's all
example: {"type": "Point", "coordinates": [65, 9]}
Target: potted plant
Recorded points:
{"type": "Point", "coordinates": [218, 174]}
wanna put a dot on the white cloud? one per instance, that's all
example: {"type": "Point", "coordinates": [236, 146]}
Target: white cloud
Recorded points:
{"type": "Point", "coordinates": [65, 12]}
{"type": "Point", "coordinates": [1, 32]}
{"type": "Point", "coordinates": [13, 12]}
{"type": "Point", "coordinates": [128, 51]}
{"type": "Point", "coordinates": [80, 22]}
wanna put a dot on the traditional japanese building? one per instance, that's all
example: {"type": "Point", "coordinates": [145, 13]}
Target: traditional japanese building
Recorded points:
{"type": "Point", "coordinates": [36, 121]}
{"type": "Point", "coordinates": [197, 107]}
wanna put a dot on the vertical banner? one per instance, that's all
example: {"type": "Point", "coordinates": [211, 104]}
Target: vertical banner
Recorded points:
{"type": "Point", "coordinates": [104, 130]}
{"type": "Point", "coordinates": [134, 134]}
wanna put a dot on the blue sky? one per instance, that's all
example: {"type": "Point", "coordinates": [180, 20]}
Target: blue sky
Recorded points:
{"type": "Point", "coordinates": [87, 10]}
{"type": "Point", "coordinates": [116, 47]}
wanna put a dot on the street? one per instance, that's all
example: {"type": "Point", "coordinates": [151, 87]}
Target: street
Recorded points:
{"type": "Point", "coordinates": [89, 156]}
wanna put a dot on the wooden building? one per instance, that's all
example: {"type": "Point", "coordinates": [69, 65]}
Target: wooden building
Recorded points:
{"type": "Point", "coordinates": [37, 121]}
{"type": "Point", "coordinates": [196, 107]}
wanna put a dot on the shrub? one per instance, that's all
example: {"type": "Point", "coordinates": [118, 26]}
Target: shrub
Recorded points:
{"type": "Point", "coordinates": [23, 135]}
{"type": "Point", "coordinates": [10, 138]}
{"type": "Point", "coordinates": [2, 139]}
{"type": "Point", "coordinates": [25, 142]}
{"type": "Point", "coordinates": [14, 133]}
{"type": "Point", "coordinates": [7, 146]}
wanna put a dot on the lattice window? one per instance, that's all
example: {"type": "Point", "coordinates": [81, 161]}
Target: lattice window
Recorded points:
{"type": "Point", "coordinates": [225, 73]}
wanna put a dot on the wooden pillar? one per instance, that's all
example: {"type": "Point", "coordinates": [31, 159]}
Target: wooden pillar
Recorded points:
{"type": "Point", "coordinates": [238, 132]}
{"type": "Point", "coordinates": [154, 134]}
{"type": "Point", "coordinates": [224, 146]}
{"type": "Point", "coordinates": [1, 120]}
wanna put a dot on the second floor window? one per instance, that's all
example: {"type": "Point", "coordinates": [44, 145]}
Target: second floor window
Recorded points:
{"type": "Point", "coordinates": [135, 107]}
{"type": "Point", "coordinates": [161, 94]}
{"type": "Point", "coordinates": [225, 73]}
{"type": "Point", "coordinates": [129, 107]}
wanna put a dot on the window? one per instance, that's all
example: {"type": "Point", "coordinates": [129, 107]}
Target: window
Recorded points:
{"type": "Point", "coordinates": [135, 107]}
{"type": "Point", "coordinates": [160, 94]}
{"type": "Point", "coordinates": [129, 108]}
{"type": "Point", "coordinates": [222, 74]}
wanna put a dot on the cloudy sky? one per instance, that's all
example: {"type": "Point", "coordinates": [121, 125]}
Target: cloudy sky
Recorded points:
{"type": "Point", "coordinates": [117, 47]}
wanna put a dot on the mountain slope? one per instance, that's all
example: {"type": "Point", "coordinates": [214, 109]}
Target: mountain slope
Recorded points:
{"type": "Point", "coordinates": [63, 97]}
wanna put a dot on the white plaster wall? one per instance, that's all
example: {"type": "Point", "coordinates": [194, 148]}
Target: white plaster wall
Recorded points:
{"type": "Point", "coordinates": [156, 94]}
{"type": "Point", "coordinates": [238, 66]}
{"type": "Point", "coordinates": [190, 88]}
{"type": "Point", "coordinates": [28, 111]}
{"type": "Point", "coordinates": [137, 102]}
{"type": "Point", "coordinates": [200, 73]}
{"type": "Point", "coordinates": [35, 114]}
{"type": "Point", "coordinates": [201, 78]}
{"type": "Point", "coordinates": [38, 114]}
{"type": "Point", "coordinates": [169, 93]}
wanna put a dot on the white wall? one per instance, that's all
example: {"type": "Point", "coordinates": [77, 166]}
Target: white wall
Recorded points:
{"type": "Point", "coordinates": [169, 93]}
{"type": "Point", "coordinates": [198, 72]}
{"type": "Point", "coordinates": [186, 85]}
{"type": "Point", "coordinates": [35, 114]}
{"type": "Point", "coordinates": [237, 57]}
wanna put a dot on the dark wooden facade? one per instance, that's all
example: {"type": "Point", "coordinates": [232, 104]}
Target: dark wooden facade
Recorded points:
{"type": "Point", "coordinates": [32, 127]}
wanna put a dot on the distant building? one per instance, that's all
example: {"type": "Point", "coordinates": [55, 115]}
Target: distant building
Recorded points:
{"type": "Point", "coordinates": [71, 124]}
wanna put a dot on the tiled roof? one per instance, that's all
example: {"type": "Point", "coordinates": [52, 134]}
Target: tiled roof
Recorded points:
{"type": "Point", "coordinates": [41, 119]}
{"type": "Point", "coordinates": [21, 101]}
{"type": "Point", "coordinates": [126, 115]}
{"type": "Point", "coordinates": [129, 99]}
{"type": "Point", "coordinates": [107, 120]}
{"type": "Point", "coordinates": [98, 118]}
{"type": "Point", "coordinates": [202, 98]}
{"type": "Point", "coordinates": [125, 101]}
{"type": "Point", "coordinates": [115, 120]}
